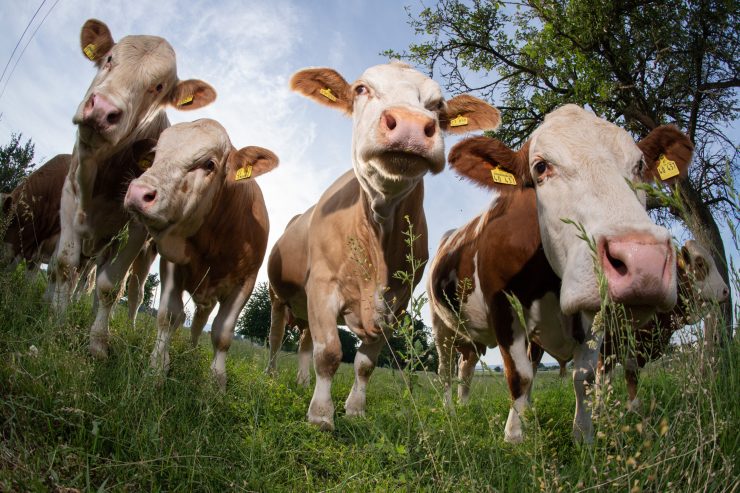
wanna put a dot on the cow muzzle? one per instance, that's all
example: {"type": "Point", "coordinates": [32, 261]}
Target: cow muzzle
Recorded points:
{"type": "Point", "coordinates": [100, 114]}
{"type": "Point", "coordinates": [140, 197]}
{"type": "Point", "coordinates": [407, 131]}
{"type": "Point", "coordinates": [639, 270]}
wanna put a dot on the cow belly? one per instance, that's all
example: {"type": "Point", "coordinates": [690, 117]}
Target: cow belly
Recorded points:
{"type": "Point", "coordinates": [549, 328]}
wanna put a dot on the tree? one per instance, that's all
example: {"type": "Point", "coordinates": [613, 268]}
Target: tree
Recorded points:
{"type": "Point", "coordinates": [16, 162]}
{"type": "Point", "coordinates": [150, 286]}
{"type": "Point", "coordinates": [254, 322]}
{"type": "Point", "coordinates": [349, 343]}
{"type": "Point", "coordinates": [637, 63]}
{"type": "Point", "coordinates": [412, 349]}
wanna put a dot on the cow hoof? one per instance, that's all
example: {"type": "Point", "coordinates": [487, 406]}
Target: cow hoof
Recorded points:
{"type": "Point", "coordinates": [355, 412]}
{"type": "Point", "coordinates": [322, 422]}
{"type": "Point", "coordinates": [99, 349]}
{"type": "Point", "coordinates": [514, 439]}
{"type": "Point", "coordinates": [580, 436]}
{"type": "Point", "coordinates": [220, 379]}
{"type": "Point", "coordinates": [634, 405]}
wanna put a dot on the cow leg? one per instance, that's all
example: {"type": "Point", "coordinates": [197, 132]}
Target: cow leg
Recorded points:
{"type": "Point", "coordinates": [535, 353]}
{"type": "Point", "coordinates": [444, 340]}
{"type": "Point", "coordinates": [563, 368]}
{"type": "Point", "coordinates": [323, 307]}
{"type": "Point", "coordinates": [631, 370]}
{"type": "Point", "coordinates": [278, 320]}
{"type": "Point", "coordinates": [203, 310]}
{"type": "Point", "coordinates": [169, 316]}
{"type": "Point", "coordinates": [469, 357]}
{"type": "Point", "coordinates": [305, 354]}
{"type": "Point", "coordinates": [365, 359]}
{"type": "Point", "coordinates": [222, 331]}
{"type": "Point", "coordinates": [137, 279]}
{"type": "Point", "coordinates": [110, 275]}
{"type": "Point", "coordinates": [519, 375]}
{"type": "Point", "coordinates": [64, 264]}
{"type": "Point", "coordinates": [585, 359]}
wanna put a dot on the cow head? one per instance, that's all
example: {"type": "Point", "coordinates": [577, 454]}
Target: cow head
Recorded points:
{"type": "Point", "coordinates": [186, 172]}
{"type": "Point", "coordinates": [137, 77]}
{"type": "Point", "coordinates": [399, 116]}
{"type": "Point", "coordinates": [582, 168]}
{"type": "Point", "coordinates": [700, 280]}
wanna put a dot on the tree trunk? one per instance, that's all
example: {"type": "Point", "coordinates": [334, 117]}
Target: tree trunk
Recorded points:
{"type": "Point", "coordinates": [699, 220]}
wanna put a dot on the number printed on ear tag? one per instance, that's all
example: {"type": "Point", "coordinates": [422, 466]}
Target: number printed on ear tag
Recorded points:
{"type": "Point", "coordinates": [667, 168]}
{"type": "Point", "coordinates": [243, 173]}
{"type": "Point", "coordinates": [503, 177]}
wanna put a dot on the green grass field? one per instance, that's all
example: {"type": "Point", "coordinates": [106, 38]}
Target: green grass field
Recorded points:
{"type": "Point", "coordinates": [71, 423]}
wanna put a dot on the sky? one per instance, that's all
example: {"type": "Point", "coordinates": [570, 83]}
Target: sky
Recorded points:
{"type": "Point", "coordinates": [247, 50]}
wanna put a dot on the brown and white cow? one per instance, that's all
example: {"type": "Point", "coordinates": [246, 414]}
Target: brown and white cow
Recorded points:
{"type": "Point", "coordinates": [136, 81]}
{"type": "Point", "coordinates": [336, 261]}
{"type": "Point", "coordinates": [33, 228]}
{"type": "Point", "coordinates": [575, 167]}
{"type": "Point", "coordinates": [206, 213]}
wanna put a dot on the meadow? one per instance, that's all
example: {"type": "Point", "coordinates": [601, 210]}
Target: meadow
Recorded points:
{"type": "Point", "coordinates": [71, 423]}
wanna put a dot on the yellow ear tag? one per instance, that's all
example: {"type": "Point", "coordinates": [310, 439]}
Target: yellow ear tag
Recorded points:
{"type": "Point", "coordinates": [243, 173]}
{"type": "Point", "coordinates": [328, 94]}
{"type": "Point", "coordinates": [459, 121]}
{"type": "Point", "coordinates": [185, 100]}
{"type": "Point", "coordinates": [503, 177]}
{"type": "Point", "coordinates": [144, 164]}
{"type": "Point", "coordinates": [89, 51]}
{"type": "Point", "coordinates": [667, 168]}
{"type": "Point", "coordinates": [681, 262]}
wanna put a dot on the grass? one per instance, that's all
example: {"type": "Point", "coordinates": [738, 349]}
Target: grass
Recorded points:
{"type": "Point", "coordinates": [71, 422]}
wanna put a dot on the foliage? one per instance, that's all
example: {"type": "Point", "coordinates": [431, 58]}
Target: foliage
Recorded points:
{"type": "Point", "coordinates": [349, 343]}
{"type": "Point", "coordinates": [150, 287]}
{"type": "Point", "coordinates": [254, 323]}
{"type": "Point", "coordinates": [16, 162]}
{"type": "Point", "coordinates": [414, 351]}
{"type": "Point", "coordinates": [69, 421]}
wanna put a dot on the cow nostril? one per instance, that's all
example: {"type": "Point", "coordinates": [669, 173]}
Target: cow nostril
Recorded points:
{"type": "Point", "coordinates": [390, 122]}
{"type": "Point", "coordinates": [150, 196]}
{"type": "Point", "coordinates": [113, 117]}
{"type": "Point", "coordinates": [430, 129]}
{"type": "Point", "coordinates": [619, 266]}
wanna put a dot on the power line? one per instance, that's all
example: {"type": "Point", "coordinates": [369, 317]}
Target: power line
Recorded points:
{"type": "Point", "coordinates": [21, 39]}
{"type": "Point", "coordinates": [5, 86]}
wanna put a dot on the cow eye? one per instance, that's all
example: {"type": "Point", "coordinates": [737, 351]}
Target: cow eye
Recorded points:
{"type": "Point", "coordinates": [159, 87]}
{"type": "Point", "coordinates": [110, 59]}
{"type": "Point", "coordinates": [640, 166]}
{"type": "Point", "coordinates": [361, 90]}
{"type": "Point", "coordinates": [540, 167]}
{"type": "Point", "coordinates": [210, 165]}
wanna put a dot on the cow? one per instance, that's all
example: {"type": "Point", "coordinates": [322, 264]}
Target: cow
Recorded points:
{"type": "Point", "coordinates": [336, 261]}
{"type": "Point", "coordinates": [136, 80]}
{"type": "Point", "coordinates": [202, 206]}
{"type": "Point", "coordinates": [32, 229]}
{"type": "Point", "coordinates": [574, 172]}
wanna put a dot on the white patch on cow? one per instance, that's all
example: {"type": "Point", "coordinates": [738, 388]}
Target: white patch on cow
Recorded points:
{"type": "Point", "coordinates": [548, 326]}
{"type": "Point", "coordinates": [513, 430]}
{"type": "Point", "coordinates": [475, 312]}
{"type": "Point", "coordinates": [483, 218]}
{"type": "Point", "coordinates": [321, 409]}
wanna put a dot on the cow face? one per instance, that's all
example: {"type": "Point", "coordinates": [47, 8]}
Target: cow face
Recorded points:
{"type": "Point", "coordinates": [398, 117]}
{"type": "Point", "coordinates": [583, 167]}
{"type": "Point", "coordinates": [190, 165]}
{"type": "Point", "coordinates": [698, 272]}
{"type": "Point", "coordinates": [136, 78]}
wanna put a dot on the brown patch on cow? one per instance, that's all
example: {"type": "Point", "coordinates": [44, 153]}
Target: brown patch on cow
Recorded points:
{"type": "Point", "coordinates": [97, 34]}
{"type": "Point", "coordinates": [311, 81]}
{"type": "Point", "coordinates": [671, 142]}
{"type": "Point", "coordinates": [475, 158]}
{"type": "Point", "coordinates": [479, 114]}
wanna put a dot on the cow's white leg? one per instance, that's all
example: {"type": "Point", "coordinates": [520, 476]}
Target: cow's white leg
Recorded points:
{"type": "Point", "coordinates": [64, 264]}
{"type": "Point", "coordinates": [305, 354]}
{"type": "Point", "coordinates": [444, 342]}
{"type": "Point", "coordinates": [365, 359]}
{"type": "Point", "coordinates": [631, 372]}
{"type": "Point", "coordinates": [203, 310]}
{"type": "Point", "coordinates": [278, 319]}
{"type": "Point", "coordinates": [137, 279]}
{"type": "Point", "coordinates": [469, 357]}
{"type": "Point", "coordinates": [323, 306]}
{"type": "Point", "coordinates": [110, 276]}
{"type": "Point", "coordinates": [585, 359]}
{"type": "Point", "coordinates": [519, 376]}
{"type": "Point", "coordinates": [222, 331]}
{"type": "Point", "coordinates": [169, 316]}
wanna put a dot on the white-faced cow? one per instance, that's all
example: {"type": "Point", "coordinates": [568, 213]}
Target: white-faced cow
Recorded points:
{"type": "Point", "coordinates": [136, 81]}
{"type": "Point", "coordinates": [336, 261]}
{"type": "Point", "coordinates": [205, 211]}
{"type": "Point", "coordinates": [575, 167]}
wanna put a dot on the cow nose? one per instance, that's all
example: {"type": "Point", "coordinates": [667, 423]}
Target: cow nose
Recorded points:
{"type": "Point", "coordinates": [725, 294]}
{"type": "Point", "coordinates": [140, 196]}
{"type": "Point", "coordinates": [101, 113]}
{"type": "Point", "coordinates": [637, 270]}
{"type": "Point", "coordinates": [407, 130]}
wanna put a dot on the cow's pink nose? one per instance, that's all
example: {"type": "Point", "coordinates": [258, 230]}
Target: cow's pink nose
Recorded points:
{"type": "Point", "coordinates": [407, 130]}
{"type": "Point", "coordinates": [638, 270]}
{"type": "Point", "coordinates": [140, 196]}
{"type": "Point", "coordinates": [101, 113]}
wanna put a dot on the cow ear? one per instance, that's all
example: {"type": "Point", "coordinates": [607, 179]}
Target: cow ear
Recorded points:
{"type": "Point", "coordinates": [466, 113]}
{"type": "Point", "coordinates": [325, 86]}
{"type": "Point", "coordinates": [490, 163]}
{"type": "Point", "coordinates": [667, 152]}
{"type": "Point", "coordinates": [95, 40]}
{"type": "Point", "coordinates": [143, 151]}
{"type": "Point", "coordinates": [192, 94]}
{"type": "Point", "coordinates": [250, 162]}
